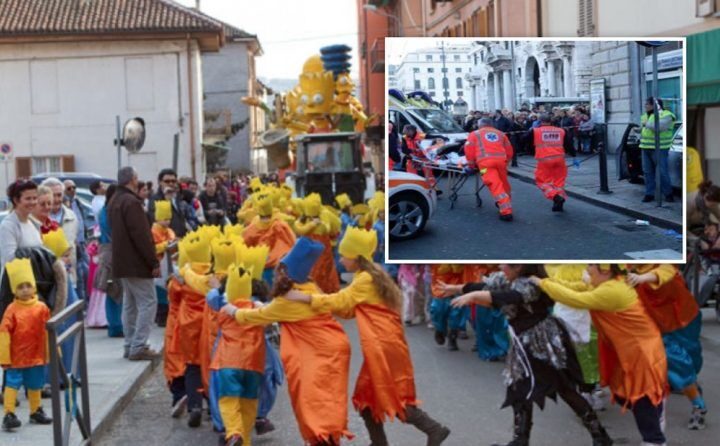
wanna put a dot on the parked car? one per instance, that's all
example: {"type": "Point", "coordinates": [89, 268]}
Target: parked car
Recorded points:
{"type": "Point", "coordinates": [82, 180]}
{"type": "Point", "coordinates": [628, 157]}
{"type": "Point", "coordinates": [412, 203]}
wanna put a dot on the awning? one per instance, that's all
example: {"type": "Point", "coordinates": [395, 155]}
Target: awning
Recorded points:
{"type": "Point", "coordinates": [703, 68]}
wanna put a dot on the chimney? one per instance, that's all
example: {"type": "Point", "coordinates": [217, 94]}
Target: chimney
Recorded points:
{"type": "Point", "coordinates": [197, 5]}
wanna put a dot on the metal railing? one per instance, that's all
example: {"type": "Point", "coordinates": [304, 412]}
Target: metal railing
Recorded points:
{"type": "Point", "coordinates": [77, 376]}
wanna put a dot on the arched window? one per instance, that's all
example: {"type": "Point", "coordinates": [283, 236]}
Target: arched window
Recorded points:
{"type": "Point", "coordinates": [431, 84]}
{"type": "Point", "coordinates": [458, 82]}
{"type": "Point", "coordinates": [446, 83]}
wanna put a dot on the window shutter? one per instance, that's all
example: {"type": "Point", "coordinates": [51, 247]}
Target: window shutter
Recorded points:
{"type": "Point", "coordinates": [23, 167]}
{"type": "Point", "coordinates": [67, 163]}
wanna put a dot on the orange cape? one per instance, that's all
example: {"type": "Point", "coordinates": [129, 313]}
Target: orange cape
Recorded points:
{"type": "Point", "coordinates": [173, 364]}
{"type": "Point", "coordinates": [671, 306]}
{"type": "Point", "coordinates": [632, 354]}
{"type": "Point", "coordinates": [316, 355]}
{"type": "Point", "coordinates": [187, 333]}
{"type": "Point", "coordinates": [241, 346]}
{"type": "Point", "coordinates": [386, 384]}
{"type": "Point", "coordinates": [324, 273]}
{"type": "Point", "coordinates": [278, 236]}
{"type": "Point", "coordinates": [208, 335]}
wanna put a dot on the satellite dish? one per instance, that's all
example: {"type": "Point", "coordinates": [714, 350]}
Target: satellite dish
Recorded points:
{"type": "Point", "coordinates": [133, 135]}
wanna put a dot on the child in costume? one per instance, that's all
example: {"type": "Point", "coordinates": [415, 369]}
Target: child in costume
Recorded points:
{"type": "Point", "coordinates": [582, 333]}
{"type": "Point", "coordinates": [386, 385]}
{"type": "Point", "coordinates": [632, 355]}
{"type": "Point", "coordinates": [239, 359]}
{"type": "Point", "coordinates": [313, 347]}
{"type": "Point", "coordinates": [164, 239]}
{"type": "Point", "coordinates": [447, 320]}
{"type": "Point", "coordinates": [266, 230]}
{"type": "Point", "coordinates": [541, 361]}
{"type": "Point", "coordinates": [667, 300]}
{"type": "Point", "coordinates": [345, 204]}
{"type": "Point", "coordinates": [313, 226]}
{"type": "Point", "coordinates": [23, 344]}
{"type": "Point", "coordinates": [490, 324]}
{"type": "Point", "coordinates": [96, 309]}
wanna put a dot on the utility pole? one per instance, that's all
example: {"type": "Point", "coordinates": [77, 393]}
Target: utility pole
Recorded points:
{"type": "Point", "coordinates": [445, 81]}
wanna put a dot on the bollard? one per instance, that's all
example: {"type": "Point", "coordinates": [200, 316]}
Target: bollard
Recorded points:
{"type": "Point", "coordinates": [602, 151]}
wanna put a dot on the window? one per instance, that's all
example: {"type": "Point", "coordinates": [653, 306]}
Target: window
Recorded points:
{"type": "Point", "coordinates": [416, 70]}
{"type": "Point", "coordinates": [446, 83]}
{"type": "Point", "coordinates": [417, 84]}
{"type": "Point", "coordinates": [458, 83]}
{"type": "Point", "coordinates": [456, 58]}
{"type": "Point", "coordinates": [442, 57]}
{"type": "Point", "coordinates": [432, 94]}
{"type": "Point", "coordinates": [586, 18]}
{"type": "Point", "coordinates": [428, 58]}
{"type": "Point", "coordinates": [458, 70]}
{"type": "Point", "coordinates": [431, 70]}
{"type": "Point", "coordinates": [46, 164]}
{"type": "Point", "coordinates": [469, 58]}
{"type": "Point", "coordinates": [431, 84]}
{"type": "Point", "coordinates": [459, 93]}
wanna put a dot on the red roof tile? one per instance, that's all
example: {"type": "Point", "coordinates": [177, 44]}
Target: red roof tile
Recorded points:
{"type": "Point", "coordinates": [31, 17]}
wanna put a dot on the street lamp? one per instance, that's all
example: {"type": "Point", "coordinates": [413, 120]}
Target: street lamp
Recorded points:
{"type": "Point", "coordinates": [373, 8]}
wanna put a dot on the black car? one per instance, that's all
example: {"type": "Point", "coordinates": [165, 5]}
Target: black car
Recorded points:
{"type": "Point", "coordinates": [82, 180]}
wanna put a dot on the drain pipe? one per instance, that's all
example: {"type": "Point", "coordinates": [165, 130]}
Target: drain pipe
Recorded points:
{"type": "Point", "coordinates": [191, 108]}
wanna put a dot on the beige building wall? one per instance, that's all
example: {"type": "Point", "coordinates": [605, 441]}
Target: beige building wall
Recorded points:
{"type": "Point", "coordinates": [559, 18]}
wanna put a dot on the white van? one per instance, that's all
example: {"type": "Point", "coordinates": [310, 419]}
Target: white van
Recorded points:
{"type": "Point", "coordinates": [425, 116]}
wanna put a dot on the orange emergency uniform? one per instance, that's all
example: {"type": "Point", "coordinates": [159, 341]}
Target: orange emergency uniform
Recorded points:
{"type": "Point", "coordinates": [551, 171]}
{"type": "Point", "coordinates": [413, 144]}
{"type": "Point", "coordinates": [490, 149]}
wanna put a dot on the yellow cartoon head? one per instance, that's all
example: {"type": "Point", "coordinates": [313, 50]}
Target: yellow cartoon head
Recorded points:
{"type": "Point", "coordinates": [223, 251]}
{"type": "Point", "coordinates": [318, 87]}
{"type": "Point", "coordinates": [358, 243]}
{"type": "Point", "coordinates": [239, 283]}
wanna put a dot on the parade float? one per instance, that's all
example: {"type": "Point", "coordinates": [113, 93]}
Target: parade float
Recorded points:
{"type": "Point", "coordinates": [316, 133]}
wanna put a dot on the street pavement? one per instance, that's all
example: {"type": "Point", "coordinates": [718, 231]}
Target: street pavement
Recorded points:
{"type": "Point", "coordinates": [583, 232]}
{"type": "Point", "coordinates": [457, 388]}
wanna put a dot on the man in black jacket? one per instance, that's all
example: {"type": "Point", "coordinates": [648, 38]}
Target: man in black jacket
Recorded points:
{"type": "Point", "coordinates": [134, 263]}
{"type": "Point", "coordinates": [168, 178]}
{"type": "Point", "coordinates": [501, 122]}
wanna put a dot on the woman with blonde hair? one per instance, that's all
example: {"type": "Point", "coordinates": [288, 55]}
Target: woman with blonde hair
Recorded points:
{"type": "Point", "coordinates": [385, 387]}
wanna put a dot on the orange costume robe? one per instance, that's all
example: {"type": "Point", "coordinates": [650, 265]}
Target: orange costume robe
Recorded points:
{"type": "Point", "coordinates": [324, 272]}
{"type": "Point", "coordinates": [23, 338]}
{"type": "Point", "coordinates": [386, 383]}
{"type": "Point", "coordinates": [208, 336]}
{"type": "Point", "coordinates": [274, 233]}
{"type": "Point", "coordinates": [240, 347]}
{"type": "Point", "coordinates": [669, 302]}
{"type": "Point", "coordinates": [450, 274]}
{"type": "Point", "coordinates": [174, 363]}
{"type": "Point", "coordinates": [162, 236]}
{"type": "Point", "coordinates": [632, 355]}
{"type": "Point", "coordinates": [188, 328]}
{"type": "Point", "coordinates": [315, 352]}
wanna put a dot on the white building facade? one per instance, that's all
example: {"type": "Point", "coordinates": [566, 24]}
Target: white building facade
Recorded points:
{"type": "Point", "coordinates": [513, 74]}
{"type": "Point", "coordinates": [423, 70]}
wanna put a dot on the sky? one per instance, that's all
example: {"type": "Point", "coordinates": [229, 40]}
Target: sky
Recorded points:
{"type": "Point", "coordinates": [290, 31]}
{"type": "Point", "coordinates": [397, 48]}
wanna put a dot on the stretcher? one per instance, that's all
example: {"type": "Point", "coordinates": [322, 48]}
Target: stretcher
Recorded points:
{"type": "Point", "coordinates": [456, 178]}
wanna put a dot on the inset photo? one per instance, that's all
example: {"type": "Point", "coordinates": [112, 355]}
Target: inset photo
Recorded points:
{"type": "Point", "coordinates": [535, 149]}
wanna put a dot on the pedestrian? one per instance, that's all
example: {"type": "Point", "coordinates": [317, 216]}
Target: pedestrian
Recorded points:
{"type": "Point", "coordinates": [144, 189]}
{"type": "Point", "coordinates": [386, 384]}
{"type": "Point", "coordinates": [703, 204]}
{"type": "Point", "coordinates": [394, 154]}
{"type": "Point", "coordinates": [407, 278]}
{"type": "Point", "coordinates": [167, 178]}
{"type": "Point", "coordinates": [490, 151]}
{"type": "Point", "coordinates": [666, 298]}
{"type": "Point", "coordinates": [98, 189]}
{"type": "Point", "coordinates": [68, 221]}
{"type": "Point", "coordinates": [315, 225]}
{"type": "Point", "coordinates": [447, 320]}
{"type": "Point", "coordinates": [632, 356]}
{"type": "Point", "coordinates": [550, 143]}
{"type": "Point", "coordinates": [213, 203]}
{"type": "Point", "coordinates": [501, 122]}
{"type": "Point", "coordinates": [666, 128]}
{"type": "Point", "coordinates": [542, 361]}
{"type": "Point", "coordinates": [164, 240]}
{"type": "Point", "coordinates": [23, 345]}
{"type": "Point", "coordinates": [83, 262]}
{"type": "Point", "coordinates": [104, 283]}
{"type": "Point", "coordinates": [134, 263]}
{"type": "Point", "coordinates": [239, 359]}
{"type": "Point", "coordinates": [586, 130]}
{"type": "Point", "coordinates": [40, 216]}
{"type": "Point", "coordinates": [314, 348]}
{"type": "Point", "coordinates": [269, 231]}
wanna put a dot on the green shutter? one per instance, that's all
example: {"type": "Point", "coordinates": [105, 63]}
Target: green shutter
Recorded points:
{"type": "Point", "coordinates": [703, 68]}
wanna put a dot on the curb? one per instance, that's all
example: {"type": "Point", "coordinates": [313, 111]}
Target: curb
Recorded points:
{"type": "Point", "coordinates": [657, 221]}
{"type": "Point", "coordinates": [128, 392]}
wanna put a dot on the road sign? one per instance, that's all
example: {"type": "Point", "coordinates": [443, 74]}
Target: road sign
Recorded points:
{"type": "Point", "coordinates": [6, 149]}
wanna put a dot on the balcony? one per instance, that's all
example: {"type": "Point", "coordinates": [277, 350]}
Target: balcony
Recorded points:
{"type": "Point", "coordinates": [377, 56]}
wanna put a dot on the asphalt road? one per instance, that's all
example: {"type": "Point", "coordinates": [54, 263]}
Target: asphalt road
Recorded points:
{"type": "Point", "coordinates": [457, 388]}
{"type": "Point", "coordinates": [583, 232]}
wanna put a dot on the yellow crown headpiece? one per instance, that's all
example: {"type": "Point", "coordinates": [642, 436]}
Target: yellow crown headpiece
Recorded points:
{"type": "Point", "coordinates": [344, 201]}
{"type": "Point", "coordinates": [209, 232]}
{"type": "Point", "coordinates": [286, 191]}
{"type": "Point", "coordinates": [254, 258]}
{"type": "Point", "coordinates": [239, 283]}
{"type": "Point", "coordinates": [56, 242]}
{"type": "Point", "coordinates": [311, 207]}
{"type": "Point", "coordinates": [360, 209]}
{"type": "Point", "coordinates": [20, 271]}
{"type": "Point", "coordinates": [255, 184]}
{"type": "Point", "coordinates": [358, 243]}
{"type": "Point", "coordinates": [331, 218]}
{"type": "Point", "coordinates": [197, 249]}
{"type": "Point", "coordinates": [236, 229]}
{"type": "Point", "coordinates": [163, 210]}
{"type": "Point", "coordinates": [223, 251]}
{"type": "Point", "coordinates": [263, 205]}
